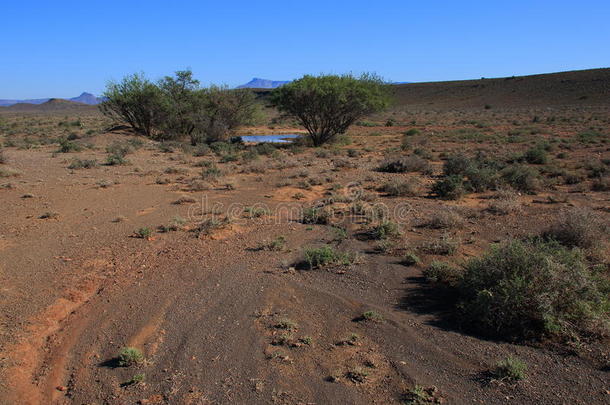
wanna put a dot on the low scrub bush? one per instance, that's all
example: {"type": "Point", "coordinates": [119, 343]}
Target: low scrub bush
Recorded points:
{"type": "Point", "coordinates": [385, 230]}
{"type": "Point", "coordinates": [315, 215]}
{"type": "Point", "coordinates": [130, 356]}
{"type": "Point", "coordinates": [531, 289]}
{"type": "Point", "coordinates": [82, 164]}
{"type": "Point", "coordinates": [450, 187]}
{"type": "Point", "coordinates": [504, 202]}
{"type": "Point", "coordinates": [537, 156]}
{"type": "Point", "coordinates": [445, 219]}
{"type": "Point", "coordinates": [401, 188]}
{"type": "Point", "coordinates": [326, 256]}
{"type": "Point", "coordinates": [577, 228]}
{"type": "Point", "coordinates": [410, 259]}
{"type": "Point", "coordinates": [443, 273]}
{"type": "Point", "coordinates": [403, 164]}
{"type": "Point", "coordinates": [66, 146]}
{"type": "Point", "coordinates": [601, 184]}
{"type": "Point", "coordinates": [511, 368]}
{"type": "Point", "coordinates": [522, 178]}
{"type": "Point", "coordinates": [445, 245]}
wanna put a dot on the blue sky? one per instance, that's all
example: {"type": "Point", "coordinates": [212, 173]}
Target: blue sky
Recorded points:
{"type": "Point", "coordinates": [61, 48]}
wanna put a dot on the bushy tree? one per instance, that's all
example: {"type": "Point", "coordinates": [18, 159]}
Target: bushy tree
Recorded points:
{"type": "Point", "coordinates": [177, 107]}
{"type": "Point", "coordinates": [135, 101]}
{"type": "Point", "coordinates": [327, 105]}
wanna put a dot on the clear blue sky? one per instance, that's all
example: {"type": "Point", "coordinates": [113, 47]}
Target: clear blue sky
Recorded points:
{"type": "Point", "coordinates": [61, 48]}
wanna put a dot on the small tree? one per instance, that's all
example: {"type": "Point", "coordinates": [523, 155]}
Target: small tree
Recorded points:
{"type": "Point", "coordinates": [327, 105]}
{"type": "Point", "coordinates": [135, 101]}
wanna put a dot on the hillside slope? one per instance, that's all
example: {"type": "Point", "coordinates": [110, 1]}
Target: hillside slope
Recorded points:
{"type": "Point", "coordinates": [582, 87]}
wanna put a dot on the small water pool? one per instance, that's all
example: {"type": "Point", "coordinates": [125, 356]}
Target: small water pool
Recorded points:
{"type": "Point", "coordinates": [282, 138]}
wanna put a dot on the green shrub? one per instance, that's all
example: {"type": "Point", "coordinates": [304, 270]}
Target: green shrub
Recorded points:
{"type": "Point", "coordinates": [457, 165]}
{"type": "Point", "coordinates": [373, 316]}
{"type": "Point", "coordinates": [523, 290]}
{"type": "Point", "coordinates": [601, 184]}
{"type": "Point", "coordinates": [443, 273]}
{"type": "Point", "coordinates": [480, 173]}
{"type": "Point", "coordinates": [209, 225]}
{"type": "Point", "coordinates": [325, 256]}
{"type": "Point", "coordinates": [401, 188]}
{"type": "Point", "coordinates": [66, 146]}
{"type": "Point", "coordinates": [419, 395]}
{"type": "Point", "coordinates": [504, 202]}
{"type": "Point", "coordinates": [597, 169]}
{"type": "Point", "coordinates": [119, 148]}
{"type": "Point", "coordinates": [450, 187]}
{"type": "Point", "coordinates": [144, 233]}
{"type": "Point", "coordinates": [136, 379]}
{"type": "Point", "coordinates": [385, 230]}
{"type": "Point", "coordinates": [314, 215]}
{"type": "Point", "coordinates": [511, 368]}
{"type": "Point", "coordinates": [211, 173]}
{"type": "Point", "coordinates": [410, 259]}
{"type": "Point", "coordinates": [129, 356]}
{"type": "Point", "coordinates": [482, 178]}
{"type": "Point", "coordinates": [536, 156]}
{"type": "Point", "coordinates": [591, 137]}
{"type": "Point", "coordinates": [522, 178]}
{"type": "Point", "coordinates": [278, 244]}
{"type": "Point", "coordinates": [116, 160]}
{"type": "Point", "coordinates": [446, 245]}
{"type": "Point", "coordinates": [445, 219]}
{"type": "Point", "coordinates": [82, 164]}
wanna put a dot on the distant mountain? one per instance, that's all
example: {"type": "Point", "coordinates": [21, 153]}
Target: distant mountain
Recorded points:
{"type": "Point", "coordinates": [258, 83]}
{"type": "Point", "coordinates": [6, 103]}
{"type": "Point", "coordinates": [53, 104]}
{"type": "Point", "coordinates": [85, 98]}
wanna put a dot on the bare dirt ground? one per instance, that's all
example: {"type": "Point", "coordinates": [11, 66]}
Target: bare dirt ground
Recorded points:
{"type": "Point", "coordinates": [219, 317]}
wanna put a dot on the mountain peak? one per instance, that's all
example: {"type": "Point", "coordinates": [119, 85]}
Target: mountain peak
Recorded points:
{"type": "Point", "coordinates": [258, 83]}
